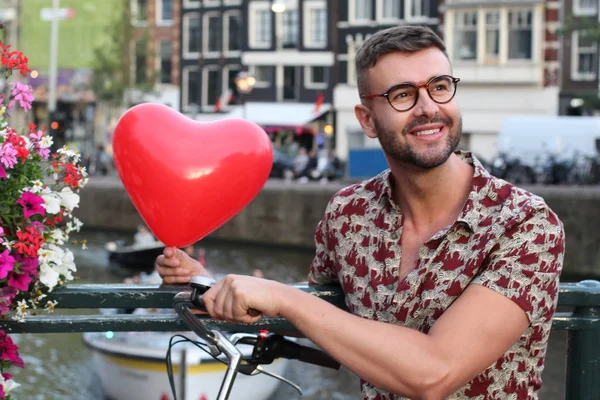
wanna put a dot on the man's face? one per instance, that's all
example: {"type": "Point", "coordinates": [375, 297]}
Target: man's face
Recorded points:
{"type": "Point", "coordinates": [424, 136]}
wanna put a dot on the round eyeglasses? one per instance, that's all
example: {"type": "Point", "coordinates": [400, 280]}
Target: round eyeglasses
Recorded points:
{"type": "Point", "coordinates": [404, 96]}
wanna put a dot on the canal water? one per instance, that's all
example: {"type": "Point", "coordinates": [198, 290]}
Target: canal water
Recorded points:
{"type": "Point", "coordinates": [58, 366]}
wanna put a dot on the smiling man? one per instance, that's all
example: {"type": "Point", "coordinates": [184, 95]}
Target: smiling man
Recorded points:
{"type": "Point", "coordinates": [450, 275]}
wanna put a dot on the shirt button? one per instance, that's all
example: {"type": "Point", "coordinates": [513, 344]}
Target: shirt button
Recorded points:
{"type": "Point", "coordinates": [395, 236]}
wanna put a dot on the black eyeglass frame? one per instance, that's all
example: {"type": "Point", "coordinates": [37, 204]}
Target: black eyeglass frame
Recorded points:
{"type": "Point", "coordinates": [418, 87]}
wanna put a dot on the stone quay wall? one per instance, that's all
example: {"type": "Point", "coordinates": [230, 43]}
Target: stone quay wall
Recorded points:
{"type": "Point", "coordinates": [286, 214]}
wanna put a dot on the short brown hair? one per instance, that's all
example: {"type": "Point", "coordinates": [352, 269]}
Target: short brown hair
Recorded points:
{"type": "Point", "coordinates": [403, 39]}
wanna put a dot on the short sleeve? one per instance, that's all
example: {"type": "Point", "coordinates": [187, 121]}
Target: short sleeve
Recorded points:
{"type": "Point", "coordinates": [526, 263]}
{"type": "Point", "coordinates": [322, 269]}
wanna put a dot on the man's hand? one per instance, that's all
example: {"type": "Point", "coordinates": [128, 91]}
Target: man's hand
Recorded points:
{"type": "Point", "coordinates": [244, 299]}
{"type": "Point", "coordinates": [175, 266]}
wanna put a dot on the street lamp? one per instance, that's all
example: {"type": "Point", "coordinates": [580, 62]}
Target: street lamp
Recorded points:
{"type": "Point", "coordinates": [278, 6]}
{"type": "Point", "coordinates": [244, 83]}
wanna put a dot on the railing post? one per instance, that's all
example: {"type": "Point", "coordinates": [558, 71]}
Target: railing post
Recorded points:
{"type": "Point", "coordinates": [583, 355]}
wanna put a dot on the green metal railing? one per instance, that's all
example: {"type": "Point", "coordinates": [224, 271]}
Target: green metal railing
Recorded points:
{"type": "Point", "coordinates": [581, 321]}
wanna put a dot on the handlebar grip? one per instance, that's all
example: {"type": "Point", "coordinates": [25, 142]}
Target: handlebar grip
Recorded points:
{"type": "Point", "coordinates": [317, 357]}
{"type": "Point", "coordinates": [310, 355]}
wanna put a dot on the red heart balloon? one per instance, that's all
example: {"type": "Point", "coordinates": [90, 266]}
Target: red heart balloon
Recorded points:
{"type": "Point", "coordinates": [187, 178]}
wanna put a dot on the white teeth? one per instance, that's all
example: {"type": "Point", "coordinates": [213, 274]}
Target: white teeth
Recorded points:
{"type": "Point", "coordinates": [427, 132]}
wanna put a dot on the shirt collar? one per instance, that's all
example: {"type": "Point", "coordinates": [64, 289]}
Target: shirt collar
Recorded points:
{"type": "Point", "coordinates": [470, 214]}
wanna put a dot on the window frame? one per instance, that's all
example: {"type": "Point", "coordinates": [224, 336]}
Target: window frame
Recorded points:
{"type": "Point", "coordinates": [206, 34]}
{"type": "Point", "coordinates": [308, 75]}
{"type": "Point", "coordinates": [576, 75]}
{"type": "Point", "coordinates": [253, 9]}
{"type": "Point", "coordinates": [582, 11]}
{"type": "Point", "coordinates": [352, 8]}
{"type": "Point", "coordinates": [206, 106]}
{"type": "Point", "coordinates": [185, 38]}
{"type": "Point", "coordinates": [226, 15]}
{"type": "Point", "coordinates": [308, 23]}
{"type": "Point", "coordinates": [159, 15]}
{"type": "Point", "coordinates": [185, 96]}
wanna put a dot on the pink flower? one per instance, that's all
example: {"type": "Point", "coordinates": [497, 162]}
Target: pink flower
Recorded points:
{"type": "Point", "coordinates": [32, 204]}
{"type": "Point", "coordinates": [7, 294]}
{"type": "Point", "coordinates": [36, 136]}
{"type": "Point", "coordinates": [2, 172]}
{"type": "Point", "coordinates": [22, 94]}
{"type": "Point", "coordinates": [7, 263]}
{"type": "Point", "coordinates": [19, 281]}
{"type": "Point", "coordinates": [8, 350]}
{"type": "Point", "coordinates": [8, 155]}
{"type": "Point", "coordinates": [29, 266]}
{"type": "Point", "coordinates": [45, 153]}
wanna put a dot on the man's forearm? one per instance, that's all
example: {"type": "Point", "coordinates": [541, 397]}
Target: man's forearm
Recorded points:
{"type": "Point", "coordinates": [397, 359]}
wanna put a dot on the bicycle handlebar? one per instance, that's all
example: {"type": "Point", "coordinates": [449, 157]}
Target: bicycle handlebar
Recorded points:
{"type": "Point", "coordinates": [266, 346]}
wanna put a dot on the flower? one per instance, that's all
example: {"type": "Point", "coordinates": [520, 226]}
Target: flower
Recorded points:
{"type": "Point", "coordinates": [39, 190]}
{"type": "Point", "coordinates": [32, 204]}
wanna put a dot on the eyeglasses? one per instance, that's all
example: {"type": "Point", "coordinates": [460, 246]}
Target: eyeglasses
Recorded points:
{"type": "Point", "coordinates": [404, 96]}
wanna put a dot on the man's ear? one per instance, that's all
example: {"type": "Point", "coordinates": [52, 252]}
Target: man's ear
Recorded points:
{"type": "Point", "coordinates": [365, 119]}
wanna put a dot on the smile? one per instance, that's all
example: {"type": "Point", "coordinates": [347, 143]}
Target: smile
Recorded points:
{"type": "Point", "coordinates": [427, 132]}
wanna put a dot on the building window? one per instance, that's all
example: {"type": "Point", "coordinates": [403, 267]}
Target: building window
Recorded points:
{"type": "Point", "coordinates": [212, 33]}
{"type": "Point", "coordinates": [584, 55]}
{"type": "Point", "coordinates": [363, 10]}
{"type": "Point", "coordinates": [140, 11]}
{"type": "Point", "coordinates": [492, 36]}
{"type": "Point", "coordinates": [585, 7]}
{"type": "Point", "coordinates": [421, 8]}
{"type": "Point", "coordinates": [315, 77]}
{"type": "Point", "coordinates": [391, 9]}
{"type": "Point", "coordinates": [233, 31]}
{"type": "Point", "coordinates": [520, 35]}
{"type": "Point", "coordinates": [140, 61]}
{"type": "Point", "coordinates": [290, 29]}
{"type": "Point", "coordinates": [318, 26]}
{"type": "Point", "coordinates": [290, 83]}
{"type": "Point", "coordinates": [212, 84]}
{"type": "Point", "coordinates": [262, 28]}
{"type": "Point", "coordinates": [191, 85]}
{"type": "Point", "coordinates": [166, 64]}
{"type": "Point", "coordinates": [191, 3]}
{"type": "Point", "coordinates": [465, 35]}
{"type": "Point", "coordinates": [165, 14]}
{"type": "Point", "coordinates": [191, 34]}
{"type": "Point", "coordinates": [262, 73]}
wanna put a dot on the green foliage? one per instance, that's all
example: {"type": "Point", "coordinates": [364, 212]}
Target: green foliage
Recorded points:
{"type": "Point", "coordinates": [111, 71]}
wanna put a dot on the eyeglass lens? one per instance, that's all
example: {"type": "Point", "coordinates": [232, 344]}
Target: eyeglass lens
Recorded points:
{"type": "Point", "coordinates": [441, 90]}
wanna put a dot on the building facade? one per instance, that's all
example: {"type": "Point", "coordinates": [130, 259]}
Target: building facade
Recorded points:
{"type": "Point", "coordinates": [579, 57]}
{"type": "Point", "coordinates": [506, 55]}
{"type": "Point", "coordinates": [155, 51]}
{"type": "Point", "coordinates": [211, 49]}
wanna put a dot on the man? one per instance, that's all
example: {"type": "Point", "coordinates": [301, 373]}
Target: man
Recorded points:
{"type": "Point", "coordinates": [450, 275]}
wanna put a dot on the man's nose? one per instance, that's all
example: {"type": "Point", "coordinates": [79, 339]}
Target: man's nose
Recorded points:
{"type": "Point", "coordinates": [425, 105]}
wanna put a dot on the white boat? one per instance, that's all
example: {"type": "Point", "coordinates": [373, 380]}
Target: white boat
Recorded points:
{"type": "Point", "coordinates": [131, 366]}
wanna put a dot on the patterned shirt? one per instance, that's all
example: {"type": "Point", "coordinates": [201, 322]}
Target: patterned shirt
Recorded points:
{"type": "Point", "coordinates": [505, 239]}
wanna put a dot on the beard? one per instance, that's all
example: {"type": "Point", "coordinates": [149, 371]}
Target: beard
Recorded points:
{"type": "Point", "coordinates": [435, 154]}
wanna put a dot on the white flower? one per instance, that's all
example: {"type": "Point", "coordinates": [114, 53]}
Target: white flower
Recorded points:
{"type": "Point", "coordinates": [73, 154]}
{"type": "Point", "coordinates": [21, 310]}
{"type": "Point", "coordinates": [50, 305]}
{"type": "Point", "coordinates": [48, 276]}
{"type": "Point", "coordinates": [46, 142]}
{"type": "Point", "coordinates": [69, 199]}
{"type": "Point", "coordinates": [66, 265]}
{"type": "Point", "coordinates": [74, 225]}
{"type": "Point", "coordinates": [58, 236]}
{"type": "Point", "coordinates": [37, 186]}
{"type": "Point", "coordinates": [8, 384]}
{"type": "Point", "coordinates": [51, 202]}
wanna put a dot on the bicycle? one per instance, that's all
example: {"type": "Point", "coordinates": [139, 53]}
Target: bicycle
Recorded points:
{"type": "Point", "coordinates": [266, 346]}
